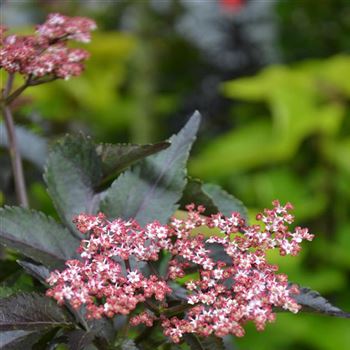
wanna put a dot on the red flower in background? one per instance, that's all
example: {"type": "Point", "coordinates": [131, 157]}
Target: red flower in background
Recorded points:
{"type": "Point", "coordinates": [231, 5]}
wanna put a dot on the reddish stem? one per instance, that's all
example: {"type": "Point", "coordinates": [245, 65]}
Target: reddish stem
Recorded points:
{"type": "Point", "coordinates": [15, 156]}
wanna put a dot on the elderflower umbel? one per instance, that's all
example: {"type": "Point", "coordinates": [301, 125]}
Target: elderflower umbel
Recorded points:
{"type": "Point", "coordinates": [110, 280]}
{"type": "Point", "coordinates": [46, 52]}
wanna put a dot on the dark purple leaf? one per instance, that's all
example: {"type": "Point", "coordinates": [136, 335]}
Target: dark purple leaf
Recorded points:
{"type": "Point", "coordinates": [152, 188]}
{"type": "Point", "coordinates": [72, 172]}
{"type": "Point", "coordinates": [117, 157]}
{"type": "Point", "coordinates": [36, 236]}
{"type": "Point", "coordinates": [312, 301]}
{"type": "Point", "coordinates": [204, 343]}
{"type": "Point", "coordinates": [79, 339]}
{"type": "Point", "coordinates": [213, 197]}
{"type": "Point", "coordinates": [31, 312]}
{"type": "Point", "coordinates": [40, 272]}
{"type": "Point", "coordinates": [14, 340]}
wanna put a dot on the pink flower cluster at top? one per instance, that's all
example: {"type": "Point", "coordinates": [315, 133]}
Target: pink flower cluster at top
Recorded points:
{"type": "Point", "coordinates": [223, 297]}
{"type": "Point", "coordinates": [46, 52]}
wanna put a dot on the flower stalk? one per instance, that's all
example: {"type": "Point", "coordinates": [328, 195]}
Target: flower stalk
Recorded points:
{"type": "Point", "coordinates": [16, 160]}
{"type": "Point", "coordinates": [40, 59]}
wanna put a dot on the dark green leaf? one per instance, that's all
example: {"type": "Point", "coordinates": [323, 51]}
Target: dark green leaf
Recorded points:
{"type": "Point", "coordinates": [117, 157]}
{"type": "Point", "coordinates": [213, 197]}
{"type": "Point", "coordinates": [31, 312]}
{"type": "Point", "coordinates": [8, 267]}
{"type": "Point", "coordinates": [31, 146]}
{"type": "Point", "coordinates": [36, 236]}
{"type": "Point", "coordinates": [19, 282]}
{"type": "Point", "coordinates": [72, 172]}
{"type": "Point", "coordinates": [312, 301]}
{"type": "Point", "coordinates": [40, 272]}
{"type": "Point", "coordinates": [151, 189]}
{"type": "Point", "coordinates": [79, 339]}
{"type": "Point", "coordinates": [14, 340]}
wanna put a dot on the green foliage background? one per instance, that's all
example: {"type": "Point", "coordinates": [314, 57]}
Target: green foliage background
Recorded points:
{"type": "Point", "coordinates": [295, 147]}
{"type": "Point", "coordinates": [285, 135]}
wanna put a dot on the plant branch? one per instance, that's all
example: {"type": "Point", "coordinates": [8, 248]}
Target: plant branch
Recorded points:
{"type": "Point", "coordinates": [175, 310]}
{"type": "Point", "coordinates": [9, 83]}
{"type": "Point", "coordinates": [151, 306]}
{"type": "Point", "coordinates": [9, 99]}
{"type": "Point", "coordinates": [153, 268]}
{"type": "Point", "coordinates": [47, 79]}
{"type": "Point", "coordinates": [29, 82]}
{"type": "Point", "coordinates": [127, 265]}
{"type": "Point", "coordinates": [15, 156]}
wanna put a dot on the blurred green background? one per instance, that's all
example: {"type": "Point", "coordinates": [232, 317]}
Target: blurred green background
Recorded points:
{"type": "Point", "coordinates": [272, 80]}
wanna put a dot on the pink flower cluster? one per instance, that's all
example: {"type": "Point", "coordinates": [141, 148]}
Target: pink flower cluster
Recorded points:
{"type": "Point", "coordinates": [224, 296]}
{"type": "Point", "coordinates": [46, 53]}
